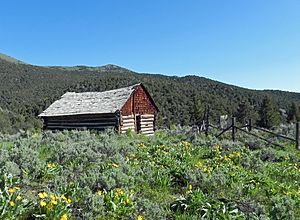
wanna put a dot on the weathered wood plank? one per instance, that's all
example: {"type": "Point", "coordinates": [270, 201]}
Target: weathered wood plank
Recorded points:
{"type": "Point", "coordinates": [82, 116]}
{"type": "Point", "coordinates": [124, 131]}
{"type": "Point", "coordinates": [128, 126]}
{"type": "Point", "coordinates": [147, 116]}
{"type": "Point", "coordinates": [147, 132]}
{"type": "Point", "coordinates": [147, 126]}
{"type": "Point", "coordinates": [81, 124]}
{"type": "Point", "coordinates": [57, 127]}
{"type": "Point", "coordinates": [127, 116]}
{"type": "Point", "coordinates": [81, 120]}
{"type": "Point", "coordinates": [125, 128]}
{"type": "Point", "coordinates": [128, 121]}
{"type": "Point", "coordinates": [147, 120]}
{"type": "Point", "coordinates": [146, 123]}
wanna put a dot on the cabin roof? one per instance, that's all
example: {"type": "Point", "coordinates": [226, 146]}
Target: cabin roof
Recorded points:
{"type": "Point", "coordinates": [72, 103]}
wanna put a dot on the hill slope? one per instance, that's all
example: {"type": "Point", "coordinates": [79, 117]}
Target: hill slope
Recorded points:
{"type": "Point", "coordinates": [10, 59]}
{"type": "Point", "coordinates": [27, 89]}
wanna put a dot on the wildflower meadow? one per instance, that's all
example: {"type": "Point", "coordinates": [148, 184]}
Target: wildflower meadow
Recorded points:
{"type": "Point", "coordinates": [89, 175]}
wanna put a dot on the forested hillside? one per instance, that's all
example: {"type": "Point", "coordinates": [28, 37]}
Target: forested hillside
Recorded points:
{"type": "Point", "coordinates": [26, 90]}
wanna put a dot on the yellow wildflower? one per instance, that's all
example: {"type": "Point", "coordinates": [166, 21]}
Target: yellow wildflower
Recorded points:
{"type": "Point", "coordinates": [140, 217]}
{"type": "Point", "coordinates": [52, 197]}
{"type": "Point", "coordinates": [131, 192]}
{"type": "Point", "coordinates": [54, 202]}
{"type": "Point", "coordinates": [127, 201]}
{"type": "Point", "coordinates": [115, 165]}
{"type": "Point", "coordinates": [119, 191]}
{"type": "Point", "coordinates": [51, 165]}
{"type": "Point", "coordinates": [19, 198]}
{"type": "Point", "coordinates": [226, 158]}
{"type": "Point", "coordinates": [199, 165]}
{"type": "Point", "coordinates": [185, 144]}
{"type": "Point", "coordinates": [43, 195]}
{"type": "Point", "coordinates": [190, 187]}
{"type": "Point", "coordinates": [11, 190]}
{"type": "Point", "coordinates": [49, 206]}
{"type": "Point", "coordinates": [69, 201]}
{"type": "Point", "coordinates": [141, 145]}
{"type": "Point", "coordinates": [12, 203]}
{"type": "Point", "coordinates": [64, 198]}
{"type": "Point", "coordinates": [64, 217]}
{"type": "Point", "coordinates": [99, 193]}
{"type": "Point", "coordinates": [43, 203]}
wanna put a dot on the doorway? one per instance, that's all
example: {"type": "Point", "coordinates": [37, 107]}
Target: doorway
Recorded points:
{"type": "Point", "coordinates": [138, 123]}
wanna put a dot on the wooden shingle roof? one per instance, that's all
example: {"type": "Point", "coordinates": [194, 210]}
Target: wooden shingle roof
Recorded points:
{"type": "Point", "coordinates": [72, 103]}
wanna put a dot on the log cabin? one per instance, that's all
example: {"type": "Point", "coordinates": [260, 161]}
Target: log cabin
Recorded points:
{"type": "Point", "coordinates": [122, 109]}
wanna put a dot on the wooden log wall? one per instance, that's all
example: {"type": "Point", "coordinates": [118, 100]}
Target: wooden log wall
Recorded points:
{"type": "Point", "coordinates": [147, 124]}
{"type": "Point", "coordinates": [127, 122]}
{"type": "Point", "coordinates": [89, 121]}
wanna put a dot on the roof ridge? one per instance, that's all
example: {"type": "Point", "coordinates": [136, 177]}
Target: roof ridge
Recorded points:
{"type": "Point", "coordinates": [127, 87]}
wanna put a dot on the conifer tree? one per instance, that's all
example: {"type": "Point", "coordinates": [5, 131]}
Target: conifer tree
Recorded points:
{"type": "Point", "coordinates": [269, 115]}
{"type": "Point", "coordinates": [197, 110]}
{"type": "Point", "coordinates": [245, 112]}
{"type": "Point", "coordinates": [294, 113]}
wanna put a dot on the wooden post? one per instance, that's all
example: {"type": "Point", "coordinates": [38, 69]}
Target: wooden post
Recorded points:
{"type": "Point", "coordinates": [207, 121]}
{"type": "Point", "coordinates": [298, 135]}
{"type": "Point", "coordinates": [233, 128]}
{"type": "Point", "coordinates": [250, 125]}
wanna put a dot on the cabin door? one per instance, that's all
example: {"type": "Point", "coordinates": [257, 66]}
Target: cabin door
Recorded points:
{"type": "Point", "coordinates": [138, 123]}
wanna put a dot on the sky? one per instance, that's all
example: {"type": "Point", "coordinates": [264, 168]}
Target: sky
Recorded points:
{"type": "Point", "coordinates": [249, 43]}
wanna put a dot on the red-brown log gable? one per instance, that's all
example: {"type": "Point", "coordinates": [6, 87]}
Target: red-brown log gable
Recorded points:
{"type": "Point", "coordinates": [139, 103]}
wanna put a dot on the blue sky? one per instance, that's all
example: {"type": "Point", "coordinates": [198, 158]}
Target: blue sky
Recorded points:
{"type": "Point", "coordinates": [250, 43]}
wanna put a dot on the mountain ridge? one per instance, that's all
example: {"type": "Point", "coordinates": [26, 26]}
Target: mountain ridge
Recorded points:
{"type": "Point", "coordinates": [114, 67]}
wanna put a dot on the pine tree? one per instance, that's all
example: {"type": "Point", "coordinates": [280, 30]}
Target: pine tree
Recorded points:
{"type": "Point", "coordinates": [245, 112]}
{"type": "Point", "coordinates": [197, 110]}
{"type": "Point", "coordinates": [294, 113]}
{"type": "Point", "coordinates": [269, 115]}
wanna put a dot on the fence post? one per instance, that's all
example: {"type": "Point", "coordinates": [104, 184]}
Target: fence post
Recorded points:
{"type": "Point", "coordinates": [207, 121]}
{"type": "Point", "coordinates": [250, 125]}
{"type": "Point", "coordinates": [233, 128]}
{"type": "Point", "coordinates": [298, 135]}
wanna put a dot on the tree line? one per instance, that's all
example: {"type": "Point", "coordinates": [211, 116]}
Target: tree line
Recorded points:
{"type": "Point", "coordinates": [268, 115]}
